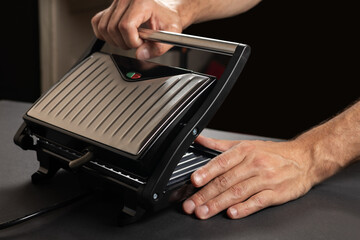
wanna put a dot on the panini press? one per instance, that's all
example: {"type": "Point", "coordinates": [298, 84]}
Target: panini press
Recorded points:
{"type": "Point", "coordinates": [131, 123]}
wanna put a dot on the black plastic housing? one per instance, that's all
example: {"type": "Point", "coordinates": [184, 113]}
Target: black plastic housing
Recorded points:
{"type": "Point", "coordinates": [143, 180]}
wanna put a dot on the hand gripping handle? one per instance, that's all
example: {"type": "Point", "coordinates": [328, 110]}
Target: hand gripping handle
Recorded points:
{"type": "Point", "coordinates": [177, 39]}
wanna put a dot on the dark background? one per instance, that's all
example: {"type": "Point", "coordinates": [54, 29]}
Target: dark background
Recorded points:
{"type": "Point", "coordinates": [19, 49]}
{"type": "Point", "coordinates": [303, 68]}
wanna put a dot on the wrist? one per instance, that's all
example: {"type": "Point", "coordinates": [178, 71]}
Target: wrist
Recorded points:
{"type": "Point", "coordinates": [320, 151]}
{"type": "Point", "coordinates": [333, 145]}
{"type": "Point", "coordinates": [188, 11]}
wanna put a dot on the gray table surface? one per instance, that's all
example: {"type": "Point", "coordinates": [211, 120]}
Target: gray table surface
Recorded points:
{"type": "Point", "coordinates": [330, 210]}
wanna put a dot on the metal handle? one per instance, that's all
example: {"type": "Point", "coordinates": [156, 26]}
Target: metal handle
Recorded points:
{"type": "Point", "coordinates": [74, 164]}
{"type": "Point", "coordinates": [189, 41]}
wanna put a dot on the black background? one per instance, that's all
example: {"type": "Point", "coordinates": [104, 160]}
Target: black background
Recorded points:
{"type": "Point", "coordinates": [303, 68]}
{"type": "Point", "coordinates": [19, 49]}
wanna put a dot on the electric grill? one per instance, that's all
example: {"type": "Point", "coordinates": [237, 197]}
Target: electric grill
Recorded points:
{"type": "Point", "coordinates": [131, 122]}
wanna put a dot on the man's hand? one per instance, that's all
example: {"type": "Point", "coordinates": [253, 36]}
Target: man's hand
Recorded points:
{"type": "Point", "coordinates": [247, 177]}
{"type": "Point", "coordinates": [118, 25]}
{"type": "Point", "coordinates": [252, 175]}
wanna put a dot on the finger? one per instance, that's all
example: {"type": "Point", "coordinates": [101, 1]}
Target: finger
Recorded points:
{"type": "Point", "coordinates": [151, 50]}
{"type": "Point", "coordinates": [155, 49]}
{"type": "Point", "coordinates": [217, 186]}
{"type": "Point", "coordinates": [134, 16]}
{"type": "Point", "coordinates": [235, 194]}
{"type": "Point", "coordinates": [254, 204]}
{"type": "Point", "coordinates": [95, 22]}
{"type": "Point", "coordinates": [216, 144]}
{"type": "Point", "coordinates": [220, 164]}
{"type": "Point", "coordinates": [103, 24]}
{"type": "Point", "coordinates": [113, 25]}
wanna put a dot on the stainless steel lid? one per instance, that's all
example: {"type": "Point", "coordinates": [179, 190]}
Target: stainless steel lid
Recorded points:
{"type": "Point", "coordinates": [95, 101]}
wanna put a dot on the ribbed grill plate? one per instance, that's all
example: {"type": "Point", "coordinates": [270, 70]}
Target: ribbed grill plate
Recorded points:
{"type": "Point", "coordinates": [94, 101]}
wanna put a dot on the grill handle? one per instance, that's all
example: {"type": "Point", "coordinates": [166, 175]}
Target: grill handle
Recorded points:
{"type": "Point", "coordinates": [189, 41]}
{"type": "Point", "coordinates": [76, 163]}
{"type": "Point", "coordinates": [177, 39]}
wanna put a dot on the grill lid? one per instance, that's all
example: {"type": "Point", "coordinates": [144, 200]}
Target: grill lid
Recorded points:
{"type": "Point", "coordinates": [96, 101]}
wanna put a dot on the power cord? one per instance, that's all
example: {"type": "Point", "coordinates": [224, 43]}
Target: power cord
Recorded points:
{"type": "Point", "coordinates": [42, 211]}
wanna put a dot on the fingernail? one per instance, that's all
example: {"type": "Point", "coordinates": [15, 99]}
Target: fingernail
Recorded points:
{"type": "Point", "coordinates": [197, 178]}
{"type": "Point", "coordinates": [144, 54]}
{"type": "Point", "coordinates": [203, 211]}
{"type": "Point", "coordinates": [233, 212]}
{"type": "Point", "coordinates": [189, 206]}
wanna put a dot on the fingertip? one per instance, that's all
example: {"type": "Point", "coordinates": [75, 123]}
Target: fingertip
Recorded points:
{"type": "Point", "coordinates": [143, 53]}
{"type": "Point", "coordinates": [232, 213]}
{"type": "Point", "coordinates": [202, 212]}
{"type": "Point", "coordinates": [202, 140]}
{"type": "Point", "coordinates": [189, 206]}
{"type": "Point", "coordinates": [197, 179]}
{"type": "Point", "coordinates": [208, 142]}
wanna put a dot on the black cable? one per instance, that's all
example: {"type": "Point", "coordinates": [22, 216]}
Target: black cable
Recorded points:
{"type": "Point", "coordinates": [43, 211]}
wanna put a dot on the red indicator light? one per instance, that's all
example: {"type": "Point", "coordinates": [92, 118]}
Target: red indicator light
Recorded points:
{"type": "Point", "coordinates": [133, 75]}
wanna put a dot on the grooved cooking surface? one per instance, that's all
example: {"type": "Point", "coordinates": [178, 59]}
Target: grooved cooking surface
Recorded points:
{"type": "Point", "coordinates": [95, 102]}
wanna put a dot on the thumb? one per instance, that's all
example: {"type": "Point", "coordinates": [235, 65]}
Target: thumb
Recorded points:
{"type": "Point", "coordinates": [150, 50]}
{"type": "Point", "coordinates": [216, 144]}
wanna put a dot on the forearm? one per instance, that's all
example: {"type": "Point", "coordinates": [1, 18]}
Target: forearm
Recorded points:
{"type": "Point", "coordinates": [332, 145]}
{"type": "Point", "coordinates": [195, 11]}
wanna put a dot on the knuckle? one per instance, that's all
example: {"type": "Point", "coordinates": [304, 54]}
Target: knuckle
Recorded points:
{"type": "Point", "coordinates": [221, 182]}
{"type": "Point", "coordinates": [102, 28]}
{"type": "Point", "coordinates": [260, 162]}
{"type": "Point", "coordinates": [124, 26]}
{"type": "Point", "coordinates": [96, 18]}
{"type": "Point", "coordinates": [214, 205]}
{"type": "Point", "coordinates": [222, 161]}
{"type": "Point", "coordinates": [237, 191]}
{"type": "Point", "coordinates": [259, 201]}
{"type": "Point", "coordinates": [270, 174]}
{"type": "Point", "coordinates": [199, 198]}
{"type": "Point", "coordinates": [111, 28]}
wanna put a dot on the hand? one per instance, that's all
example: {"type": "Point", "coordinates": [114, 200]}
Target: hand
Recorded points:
{"type": "Point", "coordinates": [118, 25]}
{"type": "Point", "coordinates": [248, 176]}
